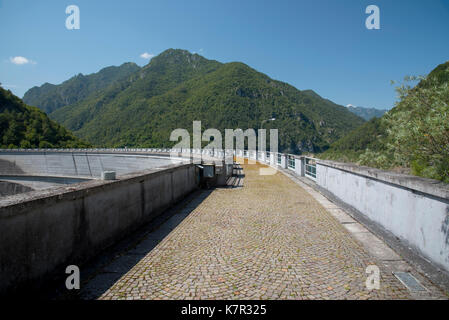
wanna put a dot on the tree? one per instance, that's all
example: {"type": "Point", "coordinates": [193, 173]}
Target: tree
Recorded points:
{"type": "Point", "coordinates": [418, 131]}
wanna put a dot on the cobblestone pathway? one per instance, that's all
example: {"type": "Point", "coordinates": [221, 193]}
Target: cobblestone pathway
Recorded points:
{"type": "Point", "coordinates": [267, 240]}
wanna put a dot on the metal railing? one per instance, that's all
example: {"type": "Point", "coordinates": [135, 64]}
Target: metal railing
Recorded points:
{"type": "Point", "coordinates": [279, 158]}
{"type": "Point", "coordinates": [310, 168]}
{"type": "Point", "coordinates": [291, 162]}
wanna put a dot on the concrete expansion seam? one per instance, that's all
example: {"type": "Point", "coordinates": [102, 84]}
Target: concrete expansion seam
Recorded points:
{"type": "Point", "coordinates": [371, 242]}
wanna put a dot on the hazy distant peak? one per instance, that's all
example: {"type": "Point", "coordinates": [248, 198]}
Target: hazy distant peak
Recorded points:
{"type": "Point", "coordinates": [366, 113]}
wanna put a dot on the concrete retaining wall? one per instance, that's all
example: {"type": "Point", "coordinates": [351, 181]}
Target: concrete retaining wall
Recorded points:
{"type": "Point", "coordinates": [414, 209]}
{"type": "Point", "coordinates": [44, 231]}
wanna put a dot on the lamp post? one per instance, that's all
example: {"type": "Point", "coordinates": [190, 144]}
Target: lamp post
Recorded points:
{"type": "Point", "coordinates": [261, 127]}
{"type": "Point", "coordinates": [261, 124]}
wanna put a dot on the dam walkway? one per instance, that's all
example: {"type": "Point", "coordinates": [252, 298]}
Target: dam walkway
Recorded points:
{"type": "Point", "coordinates": [264, 237]}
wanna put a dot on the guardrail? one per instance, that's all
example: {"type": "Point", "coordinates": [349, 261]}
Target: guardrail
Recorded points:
{"type": "Point", "coordinates": [301, 165]}
{"type": "Point", "coordinates": [310, 168]}
{"type": "Point", "coordinates": [291, 163]}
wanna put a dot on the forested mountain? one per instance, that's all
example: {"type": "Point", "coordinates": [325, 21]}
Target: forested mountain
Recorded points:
{"type": "Point", "coordinates": [414, 134]}
{"type": "Point", "coordinates": [22, 126]}
{"type": "Point", "coordinates": [178, 87]}
{"type": "Point", "coordinates": [367, 113]}
{"type": "Point", "coordinates": [50, 97]}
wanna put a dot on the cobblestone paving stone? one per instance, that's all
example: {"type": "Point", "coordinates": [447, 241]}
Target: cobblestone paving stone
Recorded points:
{"type": "Point", "coordinates": [267, 240]}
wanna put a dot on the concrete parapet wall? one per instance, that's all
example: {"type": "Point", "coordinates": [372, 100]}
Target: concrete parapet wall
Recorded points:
{"type": "Point", "coordinates": [79, 163]}
{"type": "Point", "coordinates": [414, 209]}
{"type": "Point", "coordinates": [43, 232]}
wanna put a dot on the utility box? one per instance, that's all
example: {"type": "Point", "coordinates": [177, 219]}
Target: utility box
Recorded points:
{"type": "Point", "coordinates": [208, 170]}
{"type": "Point", "coordinates": [218, 170]}
{"type": "Point", "coordinates": [108, 175]}
{"type": "Point", "coordinates": [229, 169]}
{"type": "Point", "coordinates": [213, 174]}
{"type": "Point", "coordinates": [207, 175]}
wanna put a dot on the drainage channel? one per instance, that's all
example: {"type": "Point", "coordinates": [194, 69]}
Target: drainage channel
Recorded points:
{"type": "Point", "coordinates": [408, 280]}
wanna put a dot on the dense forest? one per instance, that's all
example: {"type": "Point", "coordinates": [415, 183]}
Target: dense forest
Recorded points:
{"type": "Point", "coordinates": [178, 87]}
{"type": "Point", "coordinates": [413, 135]}
{"type": "Point", "coordinates": [22, 126]}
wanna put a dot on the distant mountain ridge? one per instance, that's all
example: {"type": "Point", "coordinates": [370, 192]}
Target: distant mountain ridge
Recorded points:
{"type": "Point", "coordinates": [367, 113]}
{"type": "Point", "coordinates": [50, 97]}
{"type": "Point", "coordinates": [178, 87]}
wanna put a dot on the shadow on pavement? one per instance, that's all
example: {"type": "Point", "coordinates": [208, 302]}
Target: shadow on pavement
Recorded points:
{"type": "Point", "coordinates": [99, 274]}
{"type": "Point", "coordinates": [236, 180]}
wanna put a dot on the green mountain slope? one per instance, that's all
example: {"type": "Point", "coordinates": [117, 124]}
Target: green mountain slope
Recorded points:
{"type": "Point", "coordinates": [178, 87]}
{"type": "Point", "coordinates": [50, 97]}
{"type": "Point", "coordinates": [367, 113]}
{"type": "Point", "coordinates": [413, 135]}
{"type": "Point", "coordinates": [22, 126]}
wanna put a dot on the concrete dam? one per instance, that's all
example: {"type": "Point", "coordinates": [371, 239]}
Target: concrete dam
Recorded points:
{"type": "Point", "coordinates": [38, 170]}
{"type": "Point", "coordinates": [59, 208]}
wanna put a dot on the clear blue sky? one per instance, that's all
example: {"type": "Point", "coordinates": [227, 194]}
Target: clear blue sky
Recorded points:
{"type": "Point", "coordinates": [319, 45]}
